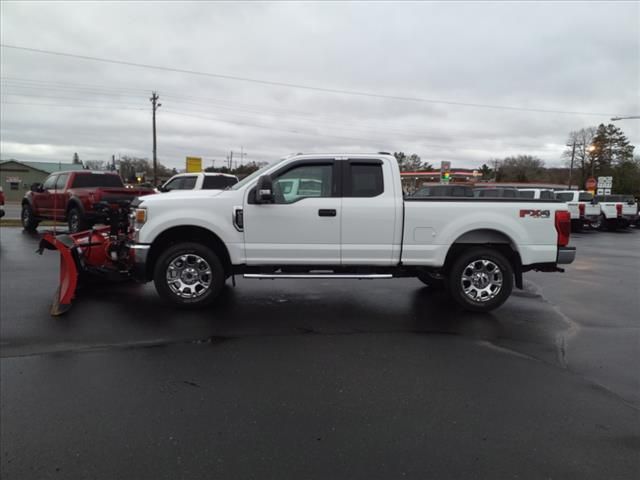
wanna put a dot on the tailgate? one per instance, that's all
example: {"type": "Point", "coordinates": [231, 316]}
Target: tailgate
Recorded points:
{"type": "Point", "coordinates": [117, 194]}
{"type": "Point", "coordinates": [574, 210]}
{"type": "Point", "coordinates": [592, 210]}
{"type": "Point", "coordinates": [629, 209]}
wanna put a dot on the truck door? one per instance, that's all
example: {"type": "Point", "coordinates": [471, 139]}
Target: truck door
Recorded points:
{"type": "Point", "coordinates": [302, 225]}
{"type": "Point", "coordinates": [369, 213]}
{"type": "Point", "coordinates": [59, 201]}
{"type": "Point", "coordinates": [44, 200]}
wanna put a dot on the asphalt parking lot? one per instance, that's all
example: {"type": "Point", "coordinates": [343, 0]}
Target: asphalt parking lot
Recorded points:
{"type": "Point", "coordinates": [315, 379]}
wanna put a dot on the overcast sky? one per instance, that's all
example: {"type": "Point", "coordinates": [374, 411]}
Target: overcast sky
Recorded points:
{"type": "Point", "coordinates": [572, 57]}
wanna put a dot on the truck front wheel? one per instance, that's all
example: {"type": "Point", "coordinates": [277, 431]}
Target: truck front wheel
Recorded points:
{"type": "Point", "coordinates": [481, 279]}
{"type": "Point", "coordinates": [29, 221]}
{"type": "Point", "coordinates": [189, 274]}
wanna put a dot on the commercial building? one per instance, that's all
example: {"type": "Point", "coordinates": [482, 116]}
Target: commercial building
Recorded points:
{"type": "Point", "coordinates": [17, 177]}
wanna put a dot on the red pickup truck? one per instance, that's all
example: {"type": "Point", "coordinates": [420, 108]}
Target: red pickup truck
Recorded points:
{"type": "Point", "coordinates": [71, 196]}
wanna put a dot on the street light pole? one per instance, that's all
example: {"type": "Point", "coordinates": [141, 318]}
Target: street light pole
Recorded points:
{"type": "Point", "coordinates": [154, 103]}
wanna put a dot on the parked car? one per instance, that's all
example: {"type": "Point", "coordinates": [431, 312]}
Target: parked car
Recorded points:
{"type": "Point", "coordinates": [199, 181]}
{"type": "Point", "coordinates": [618, 211]}
{"type": "Point", "coordinates": [584, 210]}
{"type": "Point", "coordinates": [1, 202]}
{"type": "Point", "coordinates": [444, 191]}
{"type": "Point", "coordinates": [537, 193]}
{"type": "Point", "coordinates": [354, 225]}
{"type": "Point", "coordinates": [70, 197]}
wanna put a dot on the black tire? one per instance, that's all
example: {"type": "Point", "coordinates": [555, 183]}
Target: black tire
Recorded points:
{"type": "Point", "coordinates": [29, 221]}
{"type": "Point", "coordinates": [432, 280]}
{"type": "Point", "coordinates": [206, 288]}
{"type": "Point", "coordinates": [76, 221]}
{"type": "Point", "coordinates": [576, 226]}
{"type": "Point", "coordinates": [465, 292]}
{"type": "Point", "coordinates": [603, 223]}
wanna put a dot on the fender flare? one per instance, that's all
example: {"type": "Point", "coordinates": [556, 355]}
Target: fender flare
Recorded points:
{"type": "Point", "coordinates": [73, 203]}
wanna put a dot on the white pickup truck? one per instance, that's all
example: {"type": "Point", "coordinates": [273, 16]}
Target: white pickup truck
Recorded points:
{"type": "Point", "coordinates": [353, 224]}
{"type": "Point", "coordinates": [618, 211]}
{"type": "Point", "coordinates": [582, 208]}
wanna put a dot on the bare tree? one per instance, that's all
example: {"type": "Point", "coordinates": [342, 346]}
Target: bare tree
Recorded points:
{"type": "Point", "coordinates": [582, 160]}
{"type": "Point", "coordinates": [522, 168]}
{"type": "Point", "coordinates": [95, 164]}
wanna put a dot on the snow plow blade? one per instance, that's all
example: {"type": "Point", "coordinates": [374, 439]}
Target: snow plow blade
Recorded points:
{"type": "Point", "coordinates": [69, 270]}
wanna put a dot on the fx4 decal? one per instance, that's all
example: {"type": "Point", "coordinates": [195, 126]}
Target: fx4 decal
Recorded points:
{"type": "Point", "coordinates": [535, 213]}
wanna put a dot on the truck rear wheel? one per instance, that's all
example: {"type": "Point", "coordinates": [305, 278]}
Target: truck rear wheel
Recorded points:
{"type": "Point", "coordinates": [189, 274]}
{"type": "Point", "coordinates": [76, 221]}
{"type": "Point", "coordinates": [481, 279]}
{"type": "Point", "coordinates": [29, 221]}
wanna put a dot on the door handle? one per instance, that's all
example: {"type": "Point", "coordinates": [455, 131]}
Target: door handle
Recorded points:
{"type": "Point", "coordinates": [327, 212]}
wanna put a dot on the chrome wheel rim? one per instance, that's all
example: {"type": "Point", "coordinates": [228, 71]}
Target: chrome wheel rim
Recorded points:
{"type": "Point", "coordinates": [481, 280]}
{"type": "Point", "coordinates": [189, 276]}
{"type": "Point", "coordinates": [73, 223]}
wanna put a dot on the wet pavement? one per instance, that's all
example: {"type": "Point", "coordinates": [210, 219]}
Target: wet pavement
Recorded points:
{"type": "Point", "coordinates": [320, 379]}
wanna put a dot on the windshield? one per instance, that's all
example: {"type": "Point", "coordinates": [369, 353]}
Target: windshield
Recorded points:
{"type": "Point", "coordinates": [255, 174]}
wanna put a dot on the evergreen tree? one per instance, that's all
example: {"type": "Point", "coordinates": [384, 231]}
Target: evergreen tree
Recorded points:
{"type": "Point", "coordinates": [610, 147]}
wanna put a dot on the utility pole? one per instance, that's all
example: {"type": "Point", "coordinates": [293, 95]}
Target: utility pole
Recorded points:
{"type": "Point", "coordinates": [155, 105]}
{"type": "Point", "coordinates": [573, 155]}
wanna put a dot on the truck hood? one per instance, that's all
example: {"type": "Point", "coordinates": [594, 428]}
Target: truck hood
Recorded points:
{"type": "Point", "coordinates": [178, 196]}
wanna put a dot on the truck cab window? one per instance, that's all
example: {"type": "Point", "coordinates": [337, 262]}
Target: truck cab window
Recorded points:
{"type": "Point", "coordinates": [366, 180]}
{"type": "Point", "coordinates": [303, 182]}
{"type": "Point", "coordinates": [50, 183]}
{"type": "Point", "coordinates": [62, 181]}
{"type": "Point", "coordinates": [565, 197]}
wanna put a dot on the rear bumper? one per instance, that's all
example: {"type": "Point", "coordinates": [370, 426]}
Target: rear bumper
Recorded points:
{"type": "Point", "coordinates": [566, 255]}
{"type": "Point", "coordinates": [139, 254]}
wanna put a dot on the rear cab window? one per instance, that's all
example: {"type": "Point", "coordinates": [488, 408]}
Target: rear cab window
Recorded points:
{"type": "Point", "coordinates": [89, 180]}
{"type": "Point", "coordinates": [364, 179]}
{"type": "Point", "coordinates": [218, 182]}
{"type": "Point", "coordinates": [565, 197]}
{"type": "Point", "coordinates": [585, 197]}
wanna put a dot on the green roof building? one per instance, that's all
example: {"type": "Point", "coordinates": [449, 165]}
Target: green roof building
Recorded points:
{"type": "Point", "coordinates": [16, 177]}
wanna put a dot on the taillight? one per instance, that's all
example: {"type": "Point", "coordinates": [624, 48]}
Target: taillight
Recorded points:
{"type": "Point", "coordinates": [619, 209]}
{"type": "Point", "coordinates": [581, 208]}
{"type": "Point", "coordinates": [563, 227]}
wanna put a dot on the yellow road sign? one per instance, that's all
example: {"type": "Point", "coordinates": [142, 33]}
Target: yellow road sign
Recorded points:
{"type": "Point", "coordinates": [194, 164]}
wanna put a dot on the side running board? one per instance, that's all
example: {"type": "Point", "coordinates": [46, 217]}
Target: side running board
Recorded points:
{"type": "Point", "coordinates": [333, 276]}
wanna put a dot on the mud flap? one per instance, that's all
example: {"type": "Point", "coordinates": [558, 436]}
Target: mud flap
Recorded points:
{"type": "Point", "coordinates": [66, 290]}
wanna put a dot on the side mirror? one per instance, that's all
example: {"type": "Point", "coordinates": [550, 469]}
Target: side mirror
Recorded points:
{"type": "Point", "coordinates": [162, 189]}
{"type": "Point", "coordinates": [36, 187]}
{"type": "Point", "coordinates": [264, 189]}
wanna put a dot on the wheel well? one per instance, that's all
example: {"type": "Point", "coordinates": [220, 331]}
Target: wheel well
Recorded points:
{"type": "Point", "coordinates": [489, 239]}
{"type": "Point", "coordinates": [189, 233]}
{"type": "Point", "coordinates": [73, 203]}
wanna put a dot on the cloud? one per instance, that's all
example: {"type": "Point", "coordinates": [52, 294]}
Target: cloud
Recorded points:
{"type": "Point", "coordinates": [571, 57]}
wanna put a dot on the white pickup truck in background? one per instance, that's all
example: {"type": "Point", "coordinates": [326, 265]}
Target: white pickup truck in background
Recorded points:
{"type": "Point", "coordinates": [618, 211]}
{"type": "Point", "coordinates": [349, 222]}
{"type": "Point", "coordinates": [199, 181]}
{"type": "Point", "coordinates": [584, 211]}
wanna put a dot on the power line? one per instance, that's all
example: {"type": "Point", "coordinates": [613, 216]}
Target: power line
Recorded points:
{"type": "Point", "coordinates": [300, 86]}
